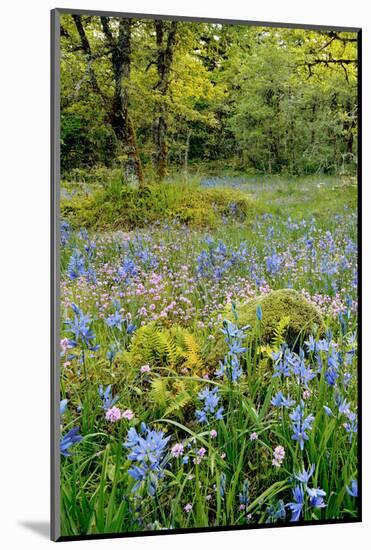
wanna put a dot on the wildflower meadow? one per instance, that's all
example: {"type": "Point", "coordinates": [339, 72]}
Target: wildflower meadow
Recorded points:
{"type": "Point", "coordinates": [208, 316]}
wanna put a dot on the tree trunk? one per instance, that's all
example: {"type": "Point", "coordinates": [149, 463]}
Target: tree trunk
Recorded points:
{"type": "Point", "coordinates": [117, 108]}
{"type": "Point", "coordinates": [119, 116]}
{"type": "Point", "coordinates": [165, 41]}
{"type": "Point", "coordinates": [186, 153]}
{"type": "Point", "coordinates": [348, 127]}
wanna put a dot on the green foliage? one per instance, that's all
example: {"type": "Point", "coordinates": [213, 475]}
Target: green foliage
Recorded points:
{"type": "Point", "coordinates": [85, 141]}
{"type": "Point", "coordinates": [171, 353]}
{"type": "Point", "coordinates": [279, 332]}
{"type": "Point", "coordinates": [286, 120]}
{"type": "Point", "coordinates": [171, 396]}
{"type": "Point", "coordinates": [119, 206]}
{"type": "Point", "coordinates": [270, 100]}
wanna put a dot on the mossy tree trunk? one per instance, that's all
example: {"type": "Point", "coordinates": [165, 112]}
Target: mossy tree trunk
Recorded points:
{"type": "Point", "coordinates": [165, 41]}
{"type": "Point", "coordinates": [116, 106]}
{"type": "Point", "coordinates": [119, 115]}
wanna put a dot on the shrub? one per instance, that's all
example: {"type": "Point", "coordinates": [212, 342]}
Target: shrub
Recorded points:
{"type": "Point", "coordinates": [119, 206]}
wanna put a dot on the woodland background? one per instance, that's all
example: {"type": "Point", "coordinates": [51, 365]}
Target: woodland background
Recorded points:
{"type": "Point", "coordinates": [151, 96]}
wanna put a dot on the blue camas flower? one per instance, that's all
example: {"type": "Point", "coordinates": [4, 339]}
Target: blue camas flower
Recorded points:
{"type": "Point", "coordinates": [148, 450]}
{"type": "Point", "coordinates": [273, 263]}
{"type": "Point", "coordinates": [303, 373]}
{"type": "Point", "coordinates": [352, 489]}
{"type": "Point", "coordinates": [300, 425]}
{"type": "Point", "coordinates": [106, 396]}
{"type": "Point", "coordinates": [282, 362]}
{"type": "Point", "coordinates": [115, 320]}
{"type": "Point", "coordinates": [331, 376]}
{"type": "Point", "coordinates": [230, 366]}
{"type": "Point", "coordinates": [65, 232]}
{"type": "Point", "coordinates": [130, 328]}
{"type": "Point", "coordinates": [76, 265]}
{"type": "Point", "coordinates": [327, 410]}
{"type": "Point", "coordinates": [259, 312]}
{"type": "Point", "coordinates": [243, 497]}
{"type": "Point", "coordinates": [280, 401]}
{"type": "Point", "coordinates": [352, 425]}
{"type": "Point", "coordinates": [311, 344]}
{"type": "Point", "coordinates": [222, 484]}
{"type": "Point", "coordinates": [71, 438]}
{"type": "Point", "coordinates": [81, 330]}
{"type": "Point", "coordinates": [316, 497]}
{"type": "Point", "coordinates": [304, 476]}
{"type": "Point", "coordinates": [211, 407]}
{"type": "Point", "coordinates": [128, 269]}
{"type": "Point", "coordinates": [276, 512]}
{"type": "Point", "coordinates": [296, 506]}
{"type": "Point", "coordinates": [63, 406]}
{"type": "Point", "coordinates": [343, 405]}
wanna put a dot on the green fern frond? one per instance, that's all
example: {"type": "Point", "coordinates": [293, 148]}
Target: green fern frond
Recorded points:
{"type": "Point", "coordinates": [279, 332]}
{"type": "Point", "coordinates": [159, 392]}
{"type": "Point", "coordinates": [192, 354]}
{"type": "Point", "coordinates": [171, 348]}
{"type": "Point", "coordinates": [178, 404]}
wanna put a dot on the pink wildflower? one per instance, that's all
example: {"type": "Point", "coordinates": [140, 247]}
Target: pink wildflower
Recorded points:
{"type": "Point", "coordinates": [65, 344]}
{"type": "Point", "coordinates": [177, 450]}
{"type": "Point", "coordinates": [279, 455]}
{"type": "Point", "coordinates": [113, 414]}
{"type": "Point", "coordinates": [128, 414]}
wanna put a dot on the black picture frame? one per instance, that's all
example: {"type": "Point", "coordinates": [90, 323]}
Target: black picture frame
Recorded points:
{"type": "Point", "coordinates": [55, 276]}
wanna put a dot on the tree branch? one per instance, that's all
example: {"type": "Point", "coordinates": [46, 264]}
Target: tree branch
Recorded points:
{"type": "Point", "coordinates": [80, 29]}
{"type": "Point", "coordinates": [327, 62]}
{"type": "Point", "coordinates": [339, 61]}
{"type": "Point", "coordinates": [107, 31]}
{"type": "Point", "coordinates": [64, 32]}
{"type": "Point", "coordinates": [335, 36]}
{"type": "Point", "coordinates": [91, 57]}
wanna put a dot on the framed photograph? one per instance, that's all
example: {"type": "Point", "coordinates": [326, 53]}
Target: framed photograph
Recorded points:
{"type": "Point", "coordinates": [205, 274]}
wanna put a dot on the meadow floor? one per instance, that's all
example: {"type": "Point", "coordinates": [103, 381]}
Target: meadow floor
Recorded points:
{"type": "Point", "coordinates": [174, 413]}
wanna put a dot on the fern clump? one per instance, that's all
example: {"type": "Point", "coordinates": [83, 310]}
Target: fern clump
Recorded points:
{"type": "Point", "coordinates": [170, 396]}
{"type": "Point", "coordinates": [174, 356]}
{"type": "Point", "coordinates": [286, 316]}
{"type": "Point", "coordinates": [166, 349]}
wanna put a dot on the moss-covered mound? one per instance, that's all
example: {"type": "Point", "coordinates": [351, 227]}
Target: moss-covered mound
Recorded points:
{"type": "Point", "coordinates": [286, 316]}
{"type": "Point", "coordinates": [285, 312]}
{"type": "Point", "coordinates": [123, 207]}
{"type": "Point", "coordinates": [302, 316]}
